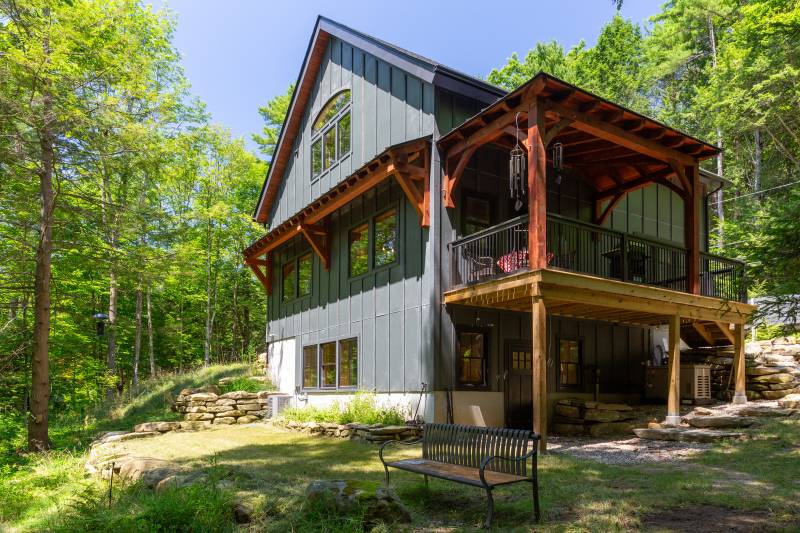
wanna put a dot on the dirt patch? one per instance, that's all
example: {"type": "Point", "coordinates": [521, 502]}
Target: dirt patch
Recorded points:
{"type": "Point", "coordinates": [708, 519]}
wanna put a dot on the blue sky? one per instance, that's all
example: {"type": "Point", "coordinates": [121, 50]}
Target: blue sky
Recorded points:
{"type": "Point", "coordinates": [239, 53]}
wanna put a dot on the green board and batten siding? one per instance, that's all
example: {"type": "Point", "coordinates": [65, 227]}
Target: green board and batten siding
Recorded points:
{"type": "Point", "coordinates": [389, 106]}
{"type": "Point", "coordinates": [388, 309]}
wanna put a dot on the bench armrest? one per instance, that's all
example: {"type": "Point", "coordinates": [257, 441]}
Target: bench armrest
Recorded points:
{"type": "Point", "coordinates": [395, 441]}
{"type": "Point", "coordinates": [490, 458]}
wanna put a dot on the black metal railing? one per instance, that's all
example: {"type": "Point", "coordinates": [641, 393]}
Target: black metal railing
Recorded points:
{"type": "Point", "coordinates": [494, 252]}
{"type": "Point", "coordinates": [590, 249]}
{"type": "Point", "coordinates": [721, 277]}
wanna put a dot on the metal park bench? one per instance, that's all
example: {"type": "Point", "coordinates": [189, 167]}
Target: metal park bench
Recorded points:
{"type": "Point", "coordinates": [476, 456]}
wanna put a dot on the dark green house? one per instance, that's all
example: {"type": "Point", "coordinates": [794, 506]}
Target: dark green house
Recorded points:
{"type": "Point", "coordinates": [430, 235]}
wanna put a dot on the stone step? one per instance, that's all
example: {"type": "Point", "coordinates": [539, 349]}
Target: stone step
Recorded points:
{"type": "Point", "coordinates": [721, 421]}
{"type": "Point", "coordinates": [767, 412]}
{"type": "Point", "coordinates": [680, 434]}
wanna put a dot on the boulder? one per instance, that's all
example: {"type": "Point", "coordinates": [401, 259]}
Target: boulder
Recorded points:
{"type": "Point", "coordinates": [389, 431]}
{"type": "Point", "coordinates": [225, 420]}
{"type": "Point", "coordinates": [379, 504]}
{"type": "Point", "coordinates": [778, 394]}
{"type": "Point", "coordinates": [150, 471]}
{"type": "Point", "coordinates": [782, 377]}
{"type": "Point", "coordinates": [249, 406]}
{"type": "Point", "coordinates": [203, 397]}
{"type": "Point", "coordinates": [118, 436]}
{"type": "Point", "coordinates": [195, 425]}
{"type": "Point", "coordinates": [766, 370]}
{"type": "Point", "coordinates": [603, 415]}
{"type": "Point", "coordinates": [240, 395]}
{"type": "Point", "coordinates": [225, 401]}
{"type": "Point", "coordinates": [791, 401]}
{"type": "Point", "coordinates": [569, 429]}
{"type": "Point", "coordinates": [721, 421]}
{"type": "Point", "coordinates": [605, 429]}
{"type": "Point", "coordinates": [766, 412]}
{"type": "Point", "coordinates": [680, 434]}
{"type": "Point", "coordinates": [219, 408]}
{"type": "Point", "coordinates": [205, 388]}
{"type": "Point", "coordinates": [608, 406]}
{"type": "Point", "coordinates": [234, 413]}
{"type": "Point", "coordinates": [161, 427]}
{"type": "Point", "coordinates": [569, 411]}
{"type": "Point", "coordinates": [246, 419]}
{"type": "Point", "coordinates": [199, 416]}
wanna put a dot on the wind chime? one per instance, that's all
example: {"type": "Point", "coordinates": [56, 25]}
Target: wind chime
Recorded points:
{"type": "Point", "coordinates": [557, 157]}
{"type": "Point", "coordinates": [516, 172]}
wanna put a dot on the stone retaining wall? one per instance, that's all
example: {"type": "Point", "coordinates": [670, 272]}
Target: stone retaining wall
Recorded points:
{"type": "Point", "coordinates": [576, 417]}
{"type": "Point", "coordinates": [237, 407]}
{"type": "Point", "coordinates": [772, 368]}
{"type": "Point", "coordinates": [368, 433]}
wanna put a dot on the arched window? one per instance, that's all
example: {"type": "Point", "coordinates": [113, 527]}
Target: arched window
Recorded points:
{"type": "Point", "coordinates": [330, 133]}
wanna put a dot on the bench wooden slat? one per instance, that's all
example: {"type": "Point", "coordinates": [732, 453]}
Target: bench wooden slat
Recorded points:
{"type": "Point", "coordinates": [451, 472]}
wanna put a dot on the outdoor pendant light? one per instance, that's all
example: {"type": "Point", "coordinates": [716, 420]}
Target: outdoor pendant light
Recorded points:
{"type": "Point", "coordinates": [516, 172]}
{"type": "Point", "coordinates": [558, 160]}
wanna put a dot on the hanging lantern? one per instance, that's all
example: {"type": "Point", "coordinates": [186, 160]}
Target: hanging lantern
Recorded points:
{"type": "Point", "coordinates": [516, 172]}
{"type": "Point", "coordinates": [557, 157]}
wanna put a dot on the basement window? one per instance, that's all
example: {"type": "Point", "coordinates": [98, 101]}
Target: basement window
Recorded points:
{"type": "Point", "coordinates": [471, 357]}
{"type": "Point", "coordinates": [331, 365]}
{"type": "Point", "coordinates": [569, 363]}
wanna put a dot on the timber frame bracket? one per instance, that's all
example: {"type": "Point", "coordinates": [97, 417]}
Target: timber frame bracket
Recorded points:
{"type": "Point", "coordinates": [265, 275]}
{"type": "Point", "coordinates": [318, 237]}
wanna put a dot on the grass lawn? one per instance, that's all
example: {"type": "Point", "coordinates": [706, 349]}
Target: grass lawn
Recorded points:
{"type": "Point", "coordinates": [749, 485]}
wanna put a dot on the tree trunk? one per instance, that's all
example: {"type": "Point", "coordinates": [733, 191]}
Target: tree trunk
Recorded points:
{"type": "Point", "coordinates": [38, 438]}
{"type": "Point", "coordinates": [209, 319]}
{"type": "Point", "coordinates": [137, 341]}
{"type": "Point", "coordinates": [111, 354]}
{"type": "Point", "coordinates": [150, 353]}
{"type": "Point", "coordinates": [758, 149]}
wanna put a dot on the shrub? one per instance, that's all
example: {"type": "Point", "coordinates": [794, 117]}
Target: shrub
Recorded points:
{"type": "Point", "coordinates": [362, 409]}
{"type": "Point", "coordinates": [244, 384]}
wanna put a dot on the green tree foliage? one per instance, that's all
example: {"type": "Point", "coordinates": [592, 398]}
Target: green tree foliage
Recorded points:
{"type": "Point", "coordinates": [150, 208]}
{"type": "Point", "coordinates": [725, 71]}
{"type": "Point", "coordinates": [273, 114]}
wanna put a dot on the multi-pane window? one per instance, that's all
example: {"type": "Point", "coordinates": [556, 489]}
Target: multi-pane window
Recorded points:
{"type": "Point", "coordinates": [304, 275]}
{"type": "Point", "coordinates": [471, 357]}
{"type": "Point", "coordinates": [385, 248]}
{"type": "Point", "coordinates": [327, 364]}
{"type": "Point", "coordinates": [359, 250]}
{"type": "Point", "coordinates": [310, 367]}
{"type": "Point", "coordinates": [289, 281]}
{"type": "Point", "coordinates": [373, 243]}
{"type": "Point", "coordinates": [569, 363]}
{"type": "Point", "coordinates": [348, 363]}
{"type": "Point", "coordinates": [296, 277]}
{"type": "Point", "coordinates": [330, 139]}
{"type": "Point", "coordinates": [521, 360]}
{"type": "Point", "coordinates": [331, 365]}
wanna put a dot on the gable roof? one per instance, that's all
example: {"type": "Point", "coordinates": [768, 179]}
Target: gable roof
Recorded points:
{"type": "Point", "coordinates": [426, 69]}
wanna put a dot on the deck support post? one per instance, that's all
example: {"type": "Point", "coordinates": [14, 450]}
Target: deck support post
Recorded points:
{"type": "Point", "coordinates": [539, 374]}
{"type": "Point", "coordinates": [693, 216]}
{"type": "Point", "coordinates": [537, 188]}
{"type": "Point", "coordinates": [739, 395]}
{"type": "Point", "coordinates": [674, 391]}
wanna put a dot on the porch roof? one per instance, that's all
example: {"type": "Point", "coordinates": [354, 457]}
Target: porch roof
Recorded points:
{"type": "Point", "coordinates": [615, 148]}
{"type": "Point", "coordinates": [589, 297]}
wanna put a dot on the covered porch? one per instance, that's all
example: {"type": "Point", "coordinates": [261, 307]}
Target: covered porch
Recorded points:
{"type": "Point", "coordinates": [554, 292]}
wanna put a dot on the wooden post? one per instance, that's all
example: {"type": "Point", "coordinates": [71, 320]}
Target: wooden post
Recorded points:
{"type": "Point", "coordinates": [674, 392]}
{"type": "Point", "coordinates": [692, 221]}
{"type": "Point", "coordinates": [537, 188]}
{"type": "Point", "coordinates": [539, 380]}
{"type": "Point", "coordinates": [739, 396]}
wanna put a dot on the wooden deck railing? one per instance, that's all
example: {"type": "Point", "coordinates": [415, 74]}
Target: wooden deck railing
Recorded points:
{"type": "Point", "coordinates": [590, 249]}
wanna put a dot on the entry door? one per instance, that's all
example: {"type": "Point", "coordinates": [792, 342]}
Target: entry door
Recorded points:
{"type": "Point", "coordinates": [519, 380]}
